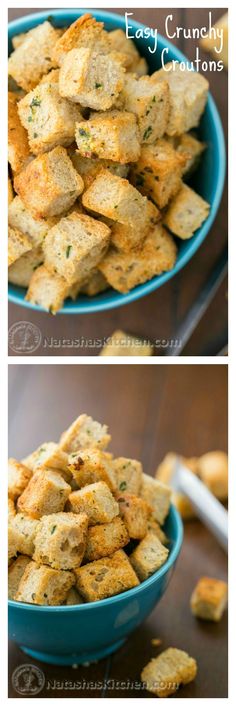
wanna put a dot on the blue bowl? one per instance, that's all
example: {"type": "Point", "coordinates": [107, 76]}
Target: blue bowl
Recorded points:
{"type": "Point", "coordinates": [89, 632]}
{"type": "Point", "coordinates": [208, 180]}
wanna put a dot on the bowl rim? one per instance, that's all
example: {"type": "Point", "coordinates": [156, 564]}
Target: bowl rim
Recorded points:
{"type": "Point", "coordinates": [131, 593]}
{"type": "Point", "coordinates": [89, 305]}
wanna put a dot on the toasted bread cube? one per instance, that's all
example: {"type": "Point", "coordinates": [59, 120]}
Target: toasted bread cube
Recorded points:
{"type": "Point", "coordinates": [154, 527]}
{"type": "Point", "coordinates": [21, 271]}
{"type": "Point", "coordinates": [45, 493]}
{"type": "Point", "coordinates": [106, 539]}
{"type": "Point", "coordinates": [120, 343]}
{"type": "Point", "coordinates": [188, 145]}
{"type": "Point", "coordinates": [117, 199]}
{"type": "Point", "coordinates": [96, 500]}
{"type": "Point", "coordinates": [90, 168]}
{"type": "Point", "coordinates": [73, 597]}
{"type": "Point", "coordinates": [209, 599]}
{"type": "Point", "coordinates": [158, 172]}
{"type": "Point", "coordinates": [94, 80]}
{"type": "Point", "coordinates": [25, 530]}
{"type": "Point", "coordinates": [35, 228]}
{"type": "Point", "coordinates": [85, 32]}
{"type": "Point", "coordinates": [112, 135]}
{"type": "Point", "coordinates": [124, 271]}
{"type": "Point", "coordinates": [18, 146]}
{"type": "Point", "coordinates": [120, 43]}
{"type": "Point", "coordinates": [164, 674]}
{"type": "Point", "coordinates": [149, 555]}
{"type": "Point", "coordinates": [33, 57]}
{"type": "Point", "coordinates": [47, 455]}
{"type": "Point", "coordinates": [10, 192]}
{"type": "Point", "coordinates": [213, 471]}
{"type": "Point", "coordinates": [149, 101]}
{"type": "Point", "coordinates": [84, 433]}
{"type": "Point", "coordinates": [49, 119]}
{"type": "Point", "coordinates": [19, 476]}
{"type": "Point", "coordinates": [186, 213]}
{"type": "Point", "coordinates": [106, 577]}
{"type": "Point", "coordinates": [188, 95]}
{"type": "Point", "coordinates": [75, 246]}
{"type": "Point", "coordinates": [90, 466]}
{"type": "Point", "coordinates": [128, 474]}
{"type": "Point", "coordinates": [61, 540]}
{"type": "Point", "coordinates": [47, 289]}
{"type": "Point", "coordinates": [11, 508]}
{"type": "Point", "coordinates": [96, 284]}
{"type": "Point", "coordinates": [49, 185]}
{"type": "Point", "coordinates": [134, 512]}
{"type": "Point", "coordinates": [127, 237]}
{"type": "Point", "coordinates": [43, 585]}
{"type": "Point", "coordinates": [15, 574]}
{"type": "Point", "coordinates": [18, 245]}
{"type": "Point", "coordinates": [157, 495]}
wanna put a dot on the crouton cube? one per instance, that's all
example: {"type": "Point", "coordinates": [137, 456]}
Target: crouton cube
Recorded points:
{"type": "Point", "coordinates": [164, 473]}
{"type": "Point", "coordinates": [158, 172]}
{"type": "Point", "coordinates": [112, 135]}
{"type": "Point", "coordinates": [47, 455]}
{"type": "Point", "coordinates": [35, 228]}
{"type": "Point", "coordinates": [21, 271]}
{"type": "Point", "coordinates": [75, 246]}
{"type": "Point", "coordinates": [213, 471]}
{"type": "Point", "coordinates": [18, 478]}
{"type": "Point", "coordinates": [85, 32]}
{"type": "Point", "coordinates": [11, 508]}
{"type": "Point", "coordinates": [15, 574]}
{"type": "Point", "coordinates": [18, 245]}
{"type": "Point", "coordinates": [154, 527]}
{"type": "Point", "coordinates": [106, 539]}
{"type": "Point", "coordinates": [49, 185]}
{"type": "Point", "coordinates": [96, 284]}
{"type": "Point", "coordinates": [43, 585]}
{"type": "Point", "coordinates": [149, 555]}
{"type": "Point", "coordinates": [120, 343]}
{"type": "Point", "coordinates": [188, 145]}
{"type": "Point", "coordinates": [186, 213]}
{"type": "Point", "coordinates": [25, 530]}
{"type": "Point", "coordinates": [209, 599]}
{"type": "Point", "coordinates": [73, 597]}
{"type": "Point", "coordinates": [91, 465]}
{"type": "Point", "coordinates": [94, 80]}
{"type": "Point", "coordinates": [106, 577]}
{"type": "Point", "coordinates": [18, 146]}
{"type": "Point", "coordinates": [117, 199]}
{"type": "Point", "coordinates": [47, 289]}
{"type": "Point", "coordinates": [96, 500]}
{"type": "Point", "coordinates": [33, 57]}
{"type": "Point", "coordinates": [10, 192]}
{"type": "Point", "coordinates": [124, 271]}
{"type": "Point", "coordinates": [45, 493]}
{"type": "Point", "coordinates": [188, 95]}
{"type": "Point", "coordinates": [127, 237]}
{"type": "Point", "coordinates": [157, 495]}
{"type": "Point", "coordinates": [164, 674]}
{"type": "Point", "coordinates": [90, 168]}
{"type": "Point", "coordinates": [120, 43]}
{"type": "Point", "coordinates": [134, 512]}
{"type": "Point", "coordinates": [84, 433]}
{"type": "Point", "coordinates": [149, 101]}
{"type": "Point", "coordinates": [128, 474]}
{"type": "Point", "coordinates": [61, 540]}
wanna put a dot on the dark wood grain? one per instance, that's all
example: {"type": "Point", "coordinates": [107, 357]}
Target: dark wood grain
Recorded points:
{"type": "Point", "coordinates": [157, 315]}
{"type": "Point", "coordinates": [150, 409]}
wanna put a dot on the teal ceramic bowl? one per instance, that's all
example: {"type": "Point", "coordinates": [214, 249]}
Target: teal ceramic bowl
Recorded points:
{"type": "Point", "coordinates": [85, 633]}
{"type": "Point", "coordinates": [208, 180]}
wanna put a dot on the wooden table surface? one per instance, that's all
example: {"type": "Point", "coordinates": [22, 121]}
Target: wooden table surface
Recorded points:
{"type": "Point", "coordinates": [157, 315]}
{"type": "Point", "coordinates": [150, 410]}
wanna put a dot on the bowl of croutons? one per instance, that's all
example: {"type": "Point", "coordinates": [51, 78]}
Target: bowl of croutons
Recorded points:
{"type": "Point", "coordinates": [93, 541]}
{"type": "Point", "coordinates": [117, 161]}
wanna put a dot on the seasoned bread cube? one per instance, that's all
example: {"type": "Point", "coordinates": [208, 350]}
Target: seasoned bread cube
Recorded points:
{"type": "Point", "coordinates": [120, 43]}
{"type": "Point", "coordinates": [75, 246]}
{"type": "Point", "coordinates": [10, 192]}
{"type": "Point", "coordinates": [49, 119]}
{"type": "Point", "coordinates": [188, 145]}
{"type": "Point", "coordinates": [164, 674]}
{"type": "Point", "coordinates": [134, 512]}
{"type": "Point", "coordinates": [120, 343]}
{"type": "Point", "coordinates": [35, 228]}
{"type": "Point", "coordinates": [213, 471]}
{"type": "Point", "coordinates": [149, 555]}
{"type": "Point", "coordinates": [73, 597]}
{"type": "Point", "coordinates": [61, 540]}
{"type": "Point", "coordinates": [106, 577]}
{"type": "Point", "coordinates": [209, 599]}
{"type": "Point", "coordinates": [154, 527]}
{"type": "Point", "coordinates": [90, 168]}
{"type": "Point", "coordinates": [91, 465]}
{"type": "Point", "coordinates": [127, 237]}
{"type": "Point", "coordinates": [15, 574]}
{"type": "Point", "coordinates": [18, 146]}
{"type": "Point", "coordinates": [47, 455]}
{"type": "Point", "coordinates": [25, 530]}
{"type": "Point", "coordinates": [186, 213]}
{"type": "Point", "coordinates": [96, 500]}
{"type": "Point", "coordinates": [43, 585]}
{"type": "Point", "coordinates": [45, 493]}
{"type": "Point", "coordinates": [49, 185]}
{"type": "Point", "coordinates": [33, 57]}
{"type": "Point", "coordinates": [128, 474]}
{"type": "Point", "coordinates": [117, 199]}
{"type": "Point", "coordinates": [158, 171]}
{"type": "Point", "coordinates": [112, 135]}
{"type": "Point", "coordinates": [11, 508]}
{"type": "Point", "coordinates": [47, 289]}
{"type": "Point", "coordinates": [18, 478]}
{"type": "Point", "coordinates": [84, 32]}
{"type": "Point", "coordinates": [124, 271]}
{"type": "Point", "coordinates": [188, 95]}
{"type": "Point", "coordinates": [106, 539]}
{"type": "Point", "coordinates": [157, 495]}
{"type": "Point", "coordinates": [18, 245]}
{"type": "Point", "coordinates": [94, 80]}
{"type": "Point", "coordinates": [21, 271]}
{"type": "Point", "coordinates": [84, 433]}
{"type": "Point", "coordinates": [149, 101]}
{"type": "Point", "coordinates": [96, 284]}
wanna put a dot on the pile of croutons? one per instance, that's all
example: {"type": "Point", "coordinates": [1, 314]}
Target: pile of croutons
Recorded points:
{"type": "Point", "coordinates": [83, 525]}
{"type": "Point", "coordinates": [98, 154]}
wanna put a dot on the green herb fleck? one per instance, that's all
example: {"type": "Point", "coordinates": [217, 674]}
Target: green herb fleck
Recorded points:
{"type": "Point", "coordinates": [154, 99]}
{"type": "Point", "coordinates": [35, 102]}
{"type": "Point", "coordinates": [33, 596]}
{"type": "Point", "coordinates": [147, 132]}
{"type": "Point", "coordinates": [83, 132]}
{"type": "Point", "coordinates": [98, 85]}
{"type": "Point", "coordinates": [53, 529]}
{"type": "Point", "coordinates": [123, 485]}
{"type": "Point", "coordinates": [68, 249]}
{"type": "Point", "coordinates": [30, 118]}
{"type": "Point", "coordinates": [35, 135]}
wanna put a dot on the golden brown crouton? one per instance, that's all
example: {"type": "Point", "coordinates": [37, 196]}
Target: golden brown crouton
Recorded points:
{"type": "Point", "coordinates": [94, 80]}
{"type": "Point", "coordinates": [157, 495]}
{"type": "Point", "coordinates": [15, 574]}
{"type": "Point", "coordinates": [209, 599]}
{"type": "Point", "coordinates": [128, 475]}
{"type": "Point", "coordinates": [106, 577]}
{"type": "Point", "coordinates": [111, 135]}
{"type": "Point", "coordinates": [18, 245]}
{"type": "Point", "coordinates": [84, 433]}
{"type": "Point", "coordinates": [186, 213]}
{"type": "Point", "coordinates": [43, 585]}
{"type": "Point", "coordinates": [45, 493]}
{"type": "Point", "coordinates": [21, 271]}
{"type": "Point", "coordinates": [18, 478]}
{"type": "Point", "coordinates": [188, 145]}
{"type": "Point", "coordinates": [149, 101]}
{"type": "Point", "coordinates": [213, 471]}
{"type": "Point", "coordinates": [73, 597]}
{"type": "Point", "coordinates": [121, 343]}
{"type": "Point", "coordinates": [149, 555]}
{"type": "Point", "coordinates": [91, 465]}
{"type": "Point", "coordinates": [96, 284]}
{"type": "Point", "coordinates": [18, 146]}
{"type": "Point", "coordinates": [35, 228]}
{"type": "Point", "coordinates": [158, 172]}
{"type": "Point", "coordinates": [117, 199]}
{"type": "Point", "coordinates": [33, 57]}
{"type": "Point", "coordinates": [127, 237]}
{"type": "Point", "coordinates": [126, 47]}
{"type": "Point", "coordinates": [84, 32]}
{"type": "Point", "coordinates": [188, 95]}
{"type": "Point", "coordinates": [61, 540]}
{"type": "Point", "coordinates": [164, 674]}
{"type": "Point", "coordinates": [106, 539]}
{"type": "Point", "coordinates": [134, 512]}
{"type": "Point", "coordinates": [90, 168]}
{"type": "Point", "coordinates": [154, 527]}
{"type": "Point", "coordinates": [96, 500]}
{"type": "Point", "coordinates": [47, 289]}
{"type": "Point", "coordinates": [24, 529]}
{"type": "Point", "coordinates": [47, 455]}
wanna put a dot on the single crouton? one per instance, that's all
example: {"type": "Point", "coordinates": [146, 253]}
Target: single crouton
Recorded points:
{"type": "Point", "coordinates": [149, 555]}
{"type": "Point", "coordinates": [164, 674]}
{"type": "Point", "coordinates": [149, 101]}
{"type": "Point", "coordinates": [21, 271]}
{"type": "Point", "coordinates": [106, 577]}
{"type": "Point", "coordinates": [18, 478]}
{"type": "Point", "coordinates": [61, 540]}
{"type": "Point", "coordinates": [84, 433]}
{"type": "Point", "coordinates": [25, 530]}
{"type": "Point", "coordinates": [18, 146]}
{"type": "Point", "coordinates": [15, 574]}
{"type": "Point", "coordinates": [158, 172]}
{"type": "Point", "coordinates": [91, 465]}
{"type": "Point", "coordinates": [94, 80]}
{"type": "Point", "coordinates": [33, 57]}
{"type": "Point", "coordinates": [157, 495]}
{"type": "Point", "coordinates": [85, 32]}
{"type": "Point", "coordinates": [134, 512]}
{"type": "Point", "coordinates": [186, 213]}
{"type": "Point", "coordinates": [112, 135]}
{"type": "Point", "coordinates": [213, 471]}
{"type": "Point", "coordinates": [96, 500]}
{"type": "Point", "coordinates": [90, 168]}
{"type": "Point", "coordinates": [47, 290]}
{"type": "Point", "coordinates": [45, 493]}
{"type": "Point", "coordinates": [154, 527]}
{"type": "Point", "coordinates": [127, 237]}
{"type": "Point", "coordinates": [128, 474]}
{"type": "Point", "coordinates": [47, 455]}
{"type": "Point", "coordinates": [73, 597]}
{"type": "Point", "coordinates": [35, 228]}
{"type": "Point", "coordinates": [43, 585]}
{"type": "Point", "coordinates": [106, 539]}
{"type": "Point", "coordinates": [120, 343]}
{"type": "Point", "coordinates": [18, 245]}
{"type": "Point", "coordinates": [96, 284]}
{"type": "Point", "coordinates": [189, 146]}
{"type": "Point", "coordinates": [120, 43]}
{"type": "Point", "coordinates": [188, 95]}
{"type": "Point", "coordinates": [11, 508]}
{"type": "Point", "coordinates": [117, 199]}
{"type": "Point", "coordinates": [209, 599]}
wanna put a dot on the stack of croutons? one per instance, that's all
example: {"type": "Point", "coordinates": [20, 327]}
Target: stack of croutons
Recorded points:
{"type": "Point", "coordinates": [98, 152]}
{"type": "Point", "coordinates": [83, 525]}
